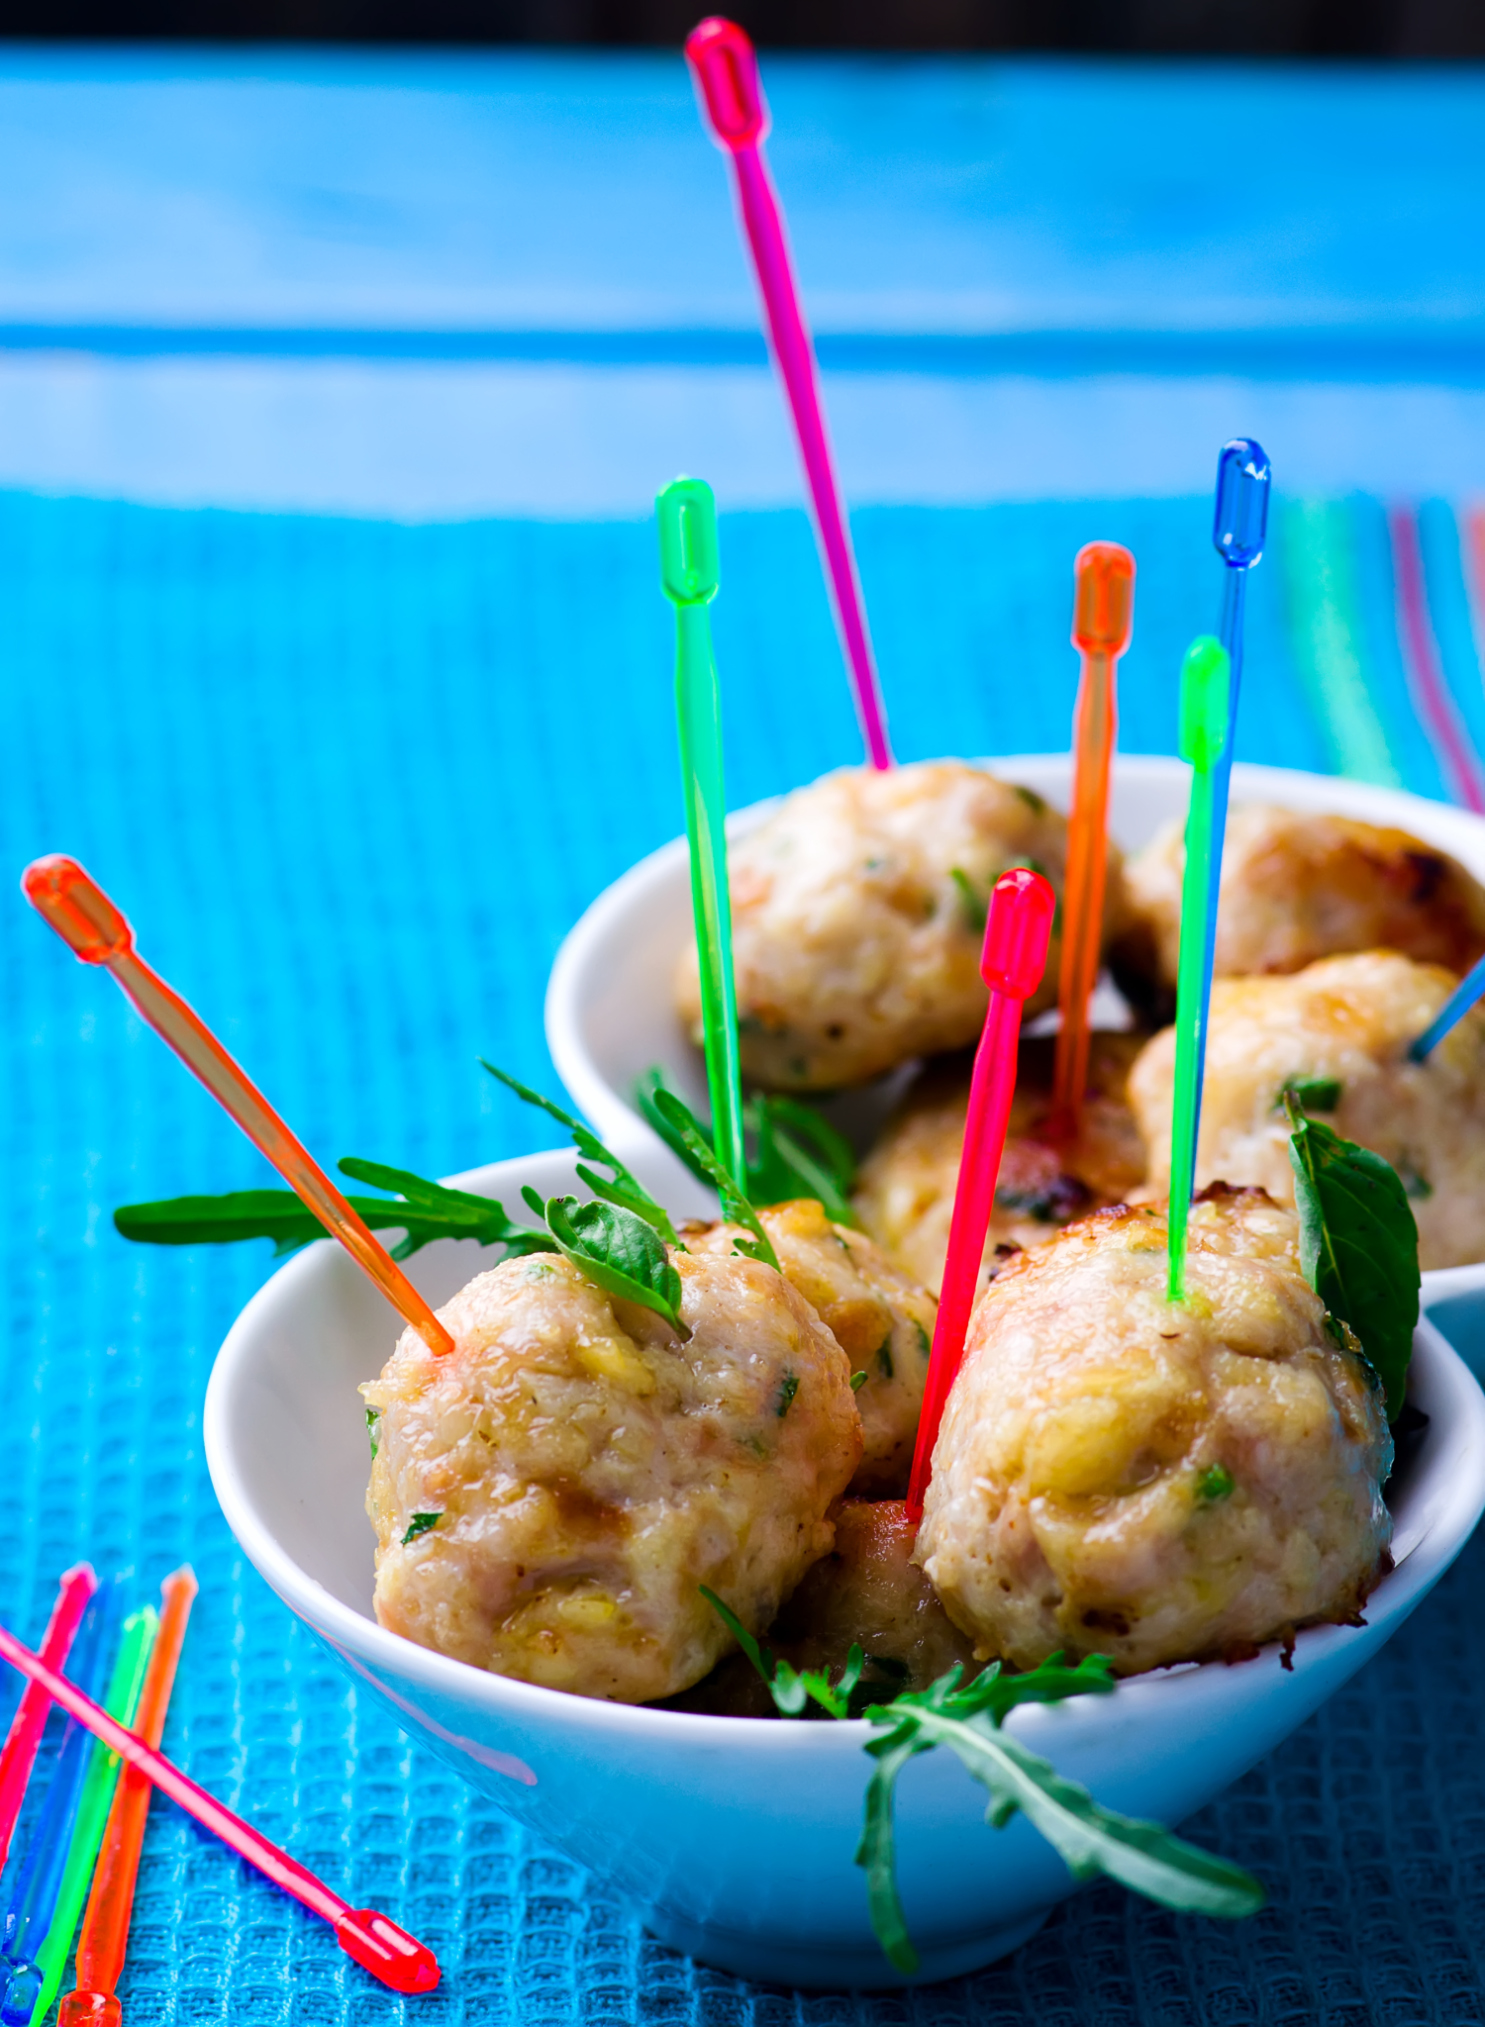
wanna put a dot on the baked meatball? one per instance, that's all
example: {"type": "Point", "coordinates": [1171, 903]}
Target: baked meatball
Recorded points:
{"type": "Point", "coordinates": [881, 1320]}
{"type": "Point", "coordinates": [548, 1496]}
{"type": "Point", "coordinates": [858, 911]}
{"type": "Point", "coordinates": [1157, 1482]}
{"type": "Point", "coordinates": [1296, 886]}
{"type": "Point", "coordinates": [1339, 1032]}
{"type": "Point", "coordinates": [905, 1192]}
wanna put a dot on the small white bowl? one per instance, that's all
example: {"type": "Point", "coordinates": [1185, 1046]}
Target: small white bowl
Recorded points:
{"type": "Point", "coordinates": [610, 1014]}
{"type": "Point", "coordinates": [732, 1837]}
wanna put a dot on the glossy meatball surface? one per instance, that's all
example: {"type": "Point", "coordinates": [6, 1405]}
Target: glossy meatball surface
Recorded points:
{"type": "Point", "coordinates": [905, 1192]}
{"type": "Point", "coordinates": [1158, 1483]}
{"type": "Point", "coordinates": [1295, 887]}
{"type": "Point", "coordinates": [1339, 1032]}
{"type": "Point", "coordinates": [882, 1320]}
{"type": "Point", "coordinates": [858, 911]}
{"type": "Point", "coordinates": [586, 1469]}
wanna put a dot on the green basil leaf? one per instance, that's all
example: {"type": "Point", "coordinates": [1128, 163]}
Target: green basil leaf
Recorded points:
{"type": "Point", "coordinates": [621, 1252]}
{"type": "Point", "coordinates": [1358, 1245]}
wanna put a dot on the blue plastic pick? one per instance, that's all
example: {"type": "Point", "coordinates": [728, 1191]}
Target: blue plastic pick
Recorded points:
{"type": "Point", "coordinates": [1451, 1013]}
{"type": "Point", "coordinates": [39, 1879]}
{"type": "Point", "coordinates": [1239, 527]}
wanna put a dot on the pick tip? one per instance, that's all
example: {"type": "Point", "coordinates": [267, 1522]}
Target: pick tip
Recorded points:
{"type": "Point", "coordinates": [1240, 521]}
{"type": "Point", "coordinates": [90, 2009]}
{"type": "Point", "coordinates": [387, 1951]}
{"type": "Point", "coordinates": [726, 72]}
{"type": "Point", "coordinates": [77, 908]}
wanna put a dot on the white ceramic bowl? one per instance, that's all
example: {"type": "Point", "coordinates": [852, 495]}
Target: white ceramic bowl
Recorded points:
{"type": "Point", "coordinates": [610, 1015]}
{"type": "Point", "coordinates": [734, 1838]}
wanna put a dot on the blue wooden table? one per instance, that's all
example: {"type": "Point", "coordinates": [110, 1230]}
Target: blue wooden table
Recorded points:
{"type": "Point", "coordinates": [334, 391]}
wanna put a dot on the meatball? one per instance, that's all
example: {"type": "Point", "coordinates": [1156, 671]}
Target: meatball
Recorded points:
{"type": "Point", "coordinates": [868, 1592]}
{"type": "Point", "coordinates": [1338, 1032]}
{"type": "Point", "coordinates": [881, 1320]}
{"type": "Point", "coordinates": [1157, 1482]}
{"type": "Point", "coordinates": [905, 1193]}
{"type": "Point", "coordinates": [858, 911]}
{"type": "Point", "coordinates": [1297, 886]}
{"type": "Point", "coordinates": [548, 1496]}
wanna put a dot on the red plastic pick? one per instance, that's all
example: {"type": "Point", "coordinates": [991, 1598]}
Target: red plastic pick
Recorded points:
{"type": "Point", "coordinates": [1018, 929]}
{"type": "Point", "coordinates": [18, 1756]}
{"type": "Point", "coordinates": [385, 1950]}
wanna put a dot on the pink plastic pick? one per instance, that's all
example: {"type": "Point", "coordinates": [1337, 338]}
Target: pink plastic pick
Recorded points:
{"type": "Point", "coordinates": [18, 1756]}
{"type": "Point", "coordinates": [94, 930]}
{"type": "Point", "coordinates": [1018, 929]}
{"type": "Point", "coordinates": [384, 1949]}
{"type": "Point", "coordinates": [726, 72]}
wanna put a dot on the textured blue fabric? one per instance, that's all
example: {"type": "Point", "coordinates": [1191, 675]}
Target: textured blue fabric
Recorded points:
{"type": "Point", "coordinates": [352, 782]}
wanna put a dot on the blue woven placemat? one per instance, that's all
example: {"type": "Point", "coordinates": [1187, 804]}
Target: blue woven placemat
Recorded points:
{"type": "Point", "coordinates": [352, 782]}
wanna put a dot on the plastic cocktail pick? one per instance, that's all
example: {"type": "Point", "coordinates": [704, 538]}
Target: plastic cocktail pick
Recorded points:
{"type": "Point", "coordinates": [1239, 526]}
{"type": "Point", "coordinates": [33, 1898]}
{"type": "Point", "coordinates": [726, 73]}
{"type": "Point", "coordinates": [687, 516]}
{"type": "Point", "coordinates": [105, 1931]}
{"type": "Point", "coordinates": [1103, 619]}
{"type": "Point", "coordinates": [1018, 928]}
{"type": "Point", "coordinates": [1451, 1013]}
{"type": "Point", "coordinates": [123, 1697]}
{"type": "Point", "coordinates": [378, 1944]}
{"type": "Point", "coordinates": [1205, 719]}
{"type": "Point", "coordinates": [92, 927]}
{"type": "Point", "coordinates": [18, 1755]}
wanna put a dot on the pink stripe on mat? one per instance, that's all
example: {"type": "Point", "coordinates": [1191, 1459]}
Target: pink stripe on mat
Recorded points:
{"type": "Point", "coordinates": [1436, 706]}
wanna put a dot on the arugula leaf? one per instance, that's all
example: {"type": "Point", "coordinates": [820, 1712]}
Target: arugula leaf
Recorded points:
{"type": "Point", "coordinates": [797, 1153]}
{"type": "Point", "coordinates": [421, 1523]}
{"type": "Point", "coordinates": [621, 1187]}
{"type": "Point", "coordinates": [621, 1252]}
{"type": "Point", "coordinates": [1358, 1245]}
{"type": "Point", "coordinates": [735, 1206]}
{"type": "Point", "coordinates": [794, 1689]}
{"type": "Point", "coordinates": [975, 905]}
{"type": "Point", "coordinates": [373, 1416]}
{"type": "Point", "coordinates": [1089, 1838]}
{"type": "Point", "coordinates": [426, 1211]}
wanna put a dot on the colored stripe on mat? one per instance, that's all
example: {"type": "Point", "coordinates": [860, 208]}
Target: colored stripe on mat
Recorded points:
{"type": "Point", "coordinates": [1436, 705]}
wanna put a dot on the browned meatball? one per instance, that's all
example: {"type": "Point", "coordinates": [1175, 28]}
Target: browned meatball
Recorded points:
{"type": "Point", "coordinates": [858, 911]}
{"type": "Point", "coordinates": [1297, 886]}
{"type": "Point", "coordinates": [549, 1496]}
{"type": "Point", "coordinates": [905, 1194]}
{"type": "Point", "coordinates": [1157, 1482]}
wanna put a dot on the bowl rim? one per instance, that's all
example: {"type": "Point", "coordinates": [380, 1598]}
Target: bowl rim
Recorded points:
{"type": "Point", "coordinates": [361, 1640]}
{"type": "Point", "coordinates": [602, 1102]}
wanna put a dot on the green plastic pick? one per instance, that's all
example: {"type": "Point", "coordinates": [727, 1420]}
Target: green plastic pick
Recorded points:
{"type": "Point", "coordinates": [1205, 679]}
{"type": "Point", "coordinates": [688, 572]}
{"type": "Point", "coordinates": [92, 1813]}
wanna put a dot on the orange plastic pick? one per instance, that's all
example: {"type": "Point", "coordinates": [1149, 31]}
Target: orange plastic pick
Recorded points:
{"type": "Point", "coordinates": [18, 1755]}
{"type": "Point", "coordinates": [88, 922]}
{"type": "Point", "coordinates": [1018, 928]}
{"type": "Point", "coordinates": [104, 1939]}
{"type": "Point", "coordinates": [1103, 618]}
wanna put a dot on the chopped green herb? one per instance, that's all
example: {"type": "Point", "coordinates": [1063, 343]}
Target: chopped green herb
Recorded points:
{"type": "Point", "coordinates": [858, 1381]}
{"type": "Point", "coordinates": [976, 907]}
{"type": "Point", "coordinates": [1415, 1184]}
{"type": "Point", "coordinates": [1311, 1094]}
{"type": "Point", "coordinates": [619, 1187]}
{"type": "Point", "coordinates": [884, 1356]}
{"type": "Point", "coordinates": [1216, 1482]}
{"type": "Point", "coordinates": [623, 1253]}
{"type": "Point", "coordinates": [1358, 1245]}
{"type": "Point", "coordinates": [1030, 797]}
{"type": "Point", "coordinates": [1090, 1839]}
{"type": "Point", "coordinates": [788, 1388]}
{"type": "Point", "coordinates": [925, 1342]}
{"type": "Point", "coordinates": [422, 1523]}
{"type": "Point", "coordinates": [373, 1416]}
